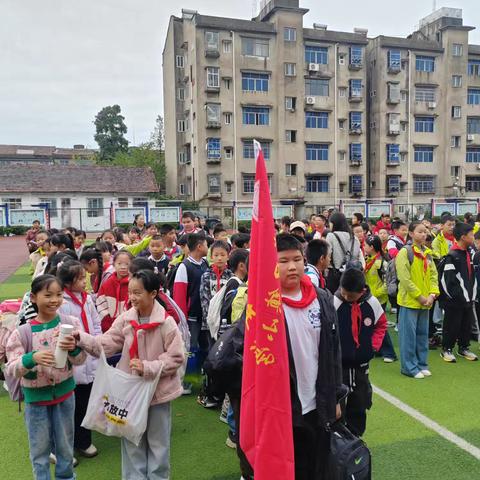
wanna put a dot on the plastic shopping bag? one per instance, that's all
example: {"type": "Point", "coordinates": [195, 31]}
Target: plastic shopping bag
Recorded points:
{"type": "Point", "coordinates": [119, 403]}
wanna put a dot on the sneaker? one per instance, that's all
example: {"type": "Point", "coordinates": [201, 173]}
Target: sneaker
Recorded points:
{"type": "Point", "coordinates": [229, 442]}
{"type": "Point", "coordinates": [391, 324]}
{"type": "Point", "coordinates": [393, 310]}
{"type": "Point", "coordinates": [75, 462]}
{"type": "Point", "coordinates": [396, 328]}
{"type": "Point", "coordinates": [89, 452]}
{"type": "Point", "coordinates": [426, 373]}
{"type": "Point", "coordinates": [52, 459]}
{"type": "Point", "coordinates": [468, 355]}
{"type": "Point", "coordinates": [448, 356]}
{"type": "Point", "coordinates": [187, 388]}
{"type": "Point", "coordinates": [419, 375]}
{"type": "Point", "coordinates": [224, 412]}
{"type": "Point", "coordinates": [388, 360]}
{"type": "Point", "coordinates": [207, 402]}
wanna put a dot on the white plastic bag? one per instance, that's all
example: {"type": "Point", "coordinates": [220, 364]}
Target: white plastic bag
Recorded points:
{"type": "Point", "coordinates": [119, 403]}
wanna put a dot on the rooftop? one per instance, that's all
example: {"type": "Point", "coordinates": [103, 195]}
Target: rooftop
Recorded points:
{"type": "Point", "coordinates": [43, 151]}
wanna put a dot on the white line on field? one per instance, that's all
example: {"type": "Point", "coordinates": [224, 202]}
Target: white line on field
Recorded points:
{"type": "Point", "coordinates": [429, 423]}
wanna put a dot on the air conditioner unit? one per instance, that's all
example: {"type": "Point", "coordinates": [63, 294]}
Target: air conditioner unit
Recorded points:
{"type": "Point", "coordinates": [310, 100]}
{"type": "Point", "coordinates": [470, 137]}
{"type": "Point", "coordinates": [313, 67]}
{"type": "Point", "coordinates": [431, 105]}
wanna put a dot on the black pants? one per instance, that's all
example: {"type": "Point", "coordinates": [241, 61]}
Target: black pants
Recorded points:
{"type": "Point", "coordinates": [245, 467]}
{"type": "Point", "coordinates": [83, 437]}
{"type": "Point", "coordinates": [359, 399]}
{"type": "Point", "coordinates": [457, 327]}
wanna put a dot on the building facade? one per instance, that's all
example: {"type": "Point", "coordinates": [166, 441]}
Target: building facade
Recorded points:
{"type": "Point", "coordinates": [339, 116]}
{"type": "Point", "coordinates": [45, 155]}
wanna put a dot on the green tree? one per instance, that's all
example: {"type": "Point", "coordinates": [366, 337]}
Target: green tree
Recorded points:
{"type": "Point", "coordinates": [110, 133]}
{"type": "Point", "coordinates": [158, 134]}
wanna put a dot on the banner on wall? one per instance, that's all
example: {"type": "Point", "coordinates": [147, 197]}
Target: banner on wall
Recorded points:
{"type": "Point", "coordinates": [467, 207]}
{"type": "Point", "coordinates": [279, 211]}
{"type": "Point", "coordinates": [443, 207]}
{"type": "Point", "coordinates": [165, 214]}
{"type": "Point", "coordinates": [27, 217]}
{"type": "Point", "coordinates": [127, 215]}
{"type": "Point", "coordinates": [375, 210]}
{"type": "Point", "coordinates": [349, 209]}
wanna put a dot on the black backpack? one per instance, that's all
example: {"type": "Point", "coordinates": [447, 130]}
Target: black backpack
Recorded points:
{"type": "Point", "coordinates": [350, 458]}
{"type": "Point", "coordinates": [170, 279]}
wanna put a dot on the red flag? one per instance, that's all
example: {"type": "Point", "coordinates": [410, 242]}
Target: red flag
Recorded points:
{"type": "Point", "coordinates": [266, 434]}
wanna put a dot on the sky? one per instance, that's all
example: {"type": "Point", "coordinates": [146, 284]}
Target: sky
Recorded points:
{"type": "Point", "coordinates": [61, 61]}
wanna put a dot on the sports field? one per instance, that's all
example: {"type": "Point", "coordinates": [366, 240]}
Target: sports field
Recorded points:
{"type": "Point", "coordinates": [402, 447]}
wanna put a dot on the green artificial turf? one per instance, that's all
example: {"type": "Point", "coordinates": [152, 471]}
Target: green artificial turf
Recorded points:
{"type": "Point", "coordinates": [402, 448]}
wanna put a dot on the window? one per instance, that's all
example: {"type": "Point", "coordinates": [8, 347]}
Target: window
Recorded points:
{"type": "Point", "coordinates": [182, 158]}
{"type": "Point", "coordinates": [393, 153]}
{"type": "Point", "coordinates": [424, 124]}
{"type": "Point", "coordinates": [214, 183]}
{"type": "Point", "coordinates": [213, 77]}
{"type": "Point", "coordinates": [456, 111]}
{"type": "Point", "coordinates": [393, 92]}
{"type": "Point", "coordinates": [249, 151]}
{"type": "Point", "coordinates": [355, 184]}
{"type": "Point", "coordinates": [316, 54]}
{"type": "Point", "coordinates": [179, 61]}
{"type": "Point", "coordinates": [455, 141]}
{"type": "Point", "coordinates": [290, 69]}
{"type": "Point", "coordinates": [182, 126]}
{"type": "Point", "coordinates": [52, 206]}
{"type": "Point", "coordinates": [181, 94]}
{"type": "Point", "coordinates": [316, 183]}
{"type": "Point", "coordinates": [95, 207]}
{"type": "Point", "coordinates": [290, 34]}
{"type": "Point", "coordinates": [356, 121]}
{"type": "Point", "coordinates": [228, 187]}
{"type": "Point", "coordinates": [393, 183]}
{"type": "Point", "coordinates": [425, 64]}
{"type": "Point", "coordinates": [255, 82]}
{"type": "Point", "coordinates": [457, 49]}
{"type": "Point", "coordinates": [473, 67]}
{"type": "Point", "coordinates": [472, 184]}
{"type": "Point", "coordinates": [423, 184]}
{"type": "Point", "coordinates": [227, 46]}
{"type": "Point", "coordinates": [290, 103]}
{"type": "Point", "coordinates": [342, 92]}
{"type": "Point", "coordinates": [356, 56]}
{"type": "Point", "coordinates": [13, 203]}
{"type": "Point", "coordinates": [211, 40]}
{"type": "Point", "coordinates": [213, 112]}
{"type": "Point", "coordinates": [341, 124]}
{"type": "Point", "coordinates": [317, 151]}
{"type": "Point", "coordinates": [213, 148]}
{"type": "Point", "coordinates": [122, 202]}
{"type": "Point", "coordinates": [456, 81]}
{"type": "Point", "coordinates": [425, 94]}
{"type": "Point", "coordinates": [290, 136]}
{"type": "Point", "coordinates": [228, 153]}
{"type": "Point", "coordinates": [256, 115]}
{"type": "Point", "coordinates": [341, 156]}
{"type": "Point", "coordinates": [317, 87]}
{"type": "Point", "coordinates": [228, 118]}
{"type": "Point", "coordinates": [403, 95]}
{"type": "Point", "coordinates": [290, 169]}
{"type": "Point", "coordinates": [355, 88]}
{"type": "Point", "coordinates": [473, 125]}
{"type": "Point", "coordinates": [255, 47]}
{"type": "Point", "coordinates": [394, 60]}
{"type": "Point", "coordinates": [248, 181]}
{"type": "Point", "coordinates": [423, 154]}
{"type": "Point", "coordinates": [139, 201]}
{"type": "Point", "coordinates": [316, 119]}
{"type": "Point", "coordinates": [473, 155]}
{"type": "Point", "coordinates": [473, 96]}
{"type": "Point", "coordinates": [181, 189]}
{"type": "Point", "coordinates": [355, 152]}
{"type": "Point", "coordinates": [226, 83]}
{"type": "Point", "coordinates": [455, 171]}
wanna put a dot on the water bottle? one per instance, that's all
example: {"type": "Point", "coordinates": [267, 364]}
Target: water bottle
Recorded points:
{"type": "Point", "coordinates": [61, 355]}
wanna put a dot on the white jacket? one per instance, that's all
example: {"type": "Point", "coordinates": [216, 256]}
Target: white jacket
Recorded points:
{"type": "Point", "coordinates": [85, 373]}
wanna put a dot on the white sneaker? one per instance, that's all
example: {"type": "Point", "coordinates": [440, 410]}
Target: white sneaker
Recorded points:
{"type": "Point", "coordinates": [52, 459]}
{"type": "Point", "coordinates": [419, 375]}
{"type": "Point", "coordinates": [89, 452]}
{"type": "Point", "coordinates": [393, 310]}
{"type": "Point", "coordinates": [388, 360]}
{"type": "Point", "coordinates": [426, 373]}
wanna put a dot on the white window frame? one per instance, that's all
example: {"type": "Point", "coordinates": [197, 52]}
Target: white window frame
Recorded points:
{"type": "Point", "coordinates": [289, 103]}
{"type": "Point", "coordinates": [52, 206]}
{"type": "Point", "coordinates": [209, 44]}
{"type": "Point", "coordinates": [228, 153]}
{"type": "Point", "coordinates": [122, 202]}
{"type": "Point", "coordinates": [290, 69]}
{"type": "Point", "coordinates": [227, 46]}
{"type": "Point", "coordinates": [289, 134]}
{"type": "Point", "coordinates": [228, 187]}
{"type": "Point", "coordinates": [182, 125]}
{"type": "Point", "coordinates": [180, 61]}
{"type": "Point", "coordinates": [456, 111]}
{"type": "Point", "coordinates": [180, 93]}
{"type": "Point", "coordinates": [259, 47]}
{"type": "Point", "coordinates": [94, 211]}
{"type": "Point", "coordinates": [213, 77]}
{"type": "Point", "coordinates": [213, 112]}
{"type": "Point", "coordinates": [455, 141]}
{"type": "Point", "coordinates": [228, 118]}
{"type": "Point", "coordinates": [210, 177]}
{"type": "Point", "coordinates": [457, 49]}
{"type": "Point", "coordinates": [456, 81]}
{"type": "Point", "coordinates": [342, 92]}
{"type": "Point", "coordinates": [289, 167]}
{"type": "Point", "coordinates": [287, 34]}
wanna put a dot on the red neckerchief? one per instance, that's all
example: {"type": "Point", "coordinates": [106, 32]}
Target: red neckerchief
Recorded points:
{"type": "Point", "coordinates": [449, 237]}
{"type": "Point", "coordinates": [81, 304]}
{"type": "Point", "coordinates": [136, 327]}
{"type": "Point", "coordinates": [356, 315]}
{"type": "Point", "coordinates": [322, 280]}
{"type": "Point", "coordinates": [309, 294]}
{"type": "Point", "coordinates": [422, 257]}
{"type": "Point", "coordinates": [320, 230]}
{"type": "Point", "coordinates": [170, 251]}
{"type": "Point", "coordinates": [371, 262]}
{"type": "Point", "coordinates": [467, 253]}
{"type": "Point", "coordinates": [120, 282]}
{"type": "Point", "coordinates": [218, 273]}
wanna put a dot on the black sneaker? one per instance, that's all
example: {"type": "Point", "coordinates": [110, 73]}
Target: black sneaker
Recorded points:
{"type": "Point", "coordinates": [207, 402]}
{"type": "Point", "coordinates": [448, 356]}
{"type": "Point", "coordinates": [467, 355]}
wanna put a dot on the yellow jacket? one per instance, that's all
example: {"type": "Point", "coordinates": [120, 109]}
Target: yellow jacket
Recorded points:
{"type": "Point", "coordinates": [413, 280]}
{"type": "Point", "coordinates": [239, 303]}
{"type": "Point", "coordinates": [377, 285]}
{"type": "Point", "coordinates": [440, 246]}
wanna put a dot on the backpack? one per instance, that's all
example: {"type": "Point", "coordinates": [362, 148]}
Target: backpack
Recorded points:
{"type": "Point", "coordinates": [349, 458]}
{"type": "Point", "coordinates": [391, 272]}
{"type": "Point", "coordinates": [170, 279]}
{"type": "Point", "coordinates": [334, 274]}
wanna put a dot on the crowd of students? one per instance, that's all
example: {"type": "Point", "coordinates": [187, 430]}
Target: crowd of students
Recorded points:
{"type": "Point", "coordinates": [152, 296]}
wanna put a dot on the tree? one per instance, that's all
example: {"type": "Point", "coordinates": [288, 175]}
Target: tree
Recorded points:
{"type": "Point", "coordinates": [158, 134]}
{"type": "Point", "coordinates": [110, 130]}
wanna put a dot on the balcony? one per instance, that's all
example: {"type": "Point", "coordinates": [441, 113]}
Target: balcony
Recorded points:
{"type": "Point", "coordinates": [355, 64]}
{"type": "Point", "coordinates": [356, 162]}
{"type": "Point", "coordinates": [393, 129]}
{"type": "Point", "coordinates": [214, 160]}
{"type": "Point", "coordinates": [473, 139]}
{"type": "Point", "coordinates": [212, 53]}
{"type": "Point", "coordinates": [392, 163]}
{"type": "Point", "coordinates": [394, 68]}
{"type": "Point", "coordinates": [355, 129]}
{"type": "Point", "coordinates": [356, 95]}
{"type": "Point", "coordinates": [213, 124]}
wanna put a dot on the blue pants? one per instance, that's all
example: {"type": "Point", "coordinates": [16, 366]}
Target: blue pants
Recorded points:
{"type": "Point", "coordinates": [413, 336]}
{"type": "Point", "coordinates": [51, 429]}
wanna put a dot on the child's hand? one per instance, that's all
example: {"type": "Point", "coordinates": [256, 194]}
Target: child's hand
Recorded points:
{"type": "Point", "coordinates": [45, 358]}
{"type": "Point", "coordinates": [338, 412]}
{"type": "Point", "coordinates": [137, 365]}
{"type": "Point", "coordinates": [68, 343]}
{"type": "Point", "coordinates": [423, 300]}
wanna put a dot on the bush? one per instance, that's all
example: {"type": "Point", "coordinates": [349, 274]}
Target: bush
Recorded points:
{"type": "Point", "coordinates": [16, 230]}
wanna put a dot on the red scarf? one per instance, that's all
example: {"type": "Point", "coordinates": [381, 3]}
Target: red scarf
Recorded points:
{"type": "Point", "coordinates": [81, 304]}
{"type": "Point", "coordinates": [469, 260]}
{"type": "Point", "coordinates": [136, 327]}
{"type": "Point", "coordinates": [218, 273]}
{"type": "Point", "coordinates": [321, 279]}
{"type": "Point", "coordinates": [422, 257]}
{"type": "Point", "coordinates": [119, 282]}
{"type": "Point", "coordinates": [449, 237]}
{"type": "Point", "coordinates": [356, 315]}
{"type": "Point", "coordinates": [309, 294]}
{"type": "Point", "coordinates": [371, 262]}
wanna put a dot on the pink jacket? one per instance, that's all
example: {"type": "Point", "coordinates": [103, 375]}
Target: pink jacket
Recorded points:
{"type": "Point", "coordinates": [161, 349]}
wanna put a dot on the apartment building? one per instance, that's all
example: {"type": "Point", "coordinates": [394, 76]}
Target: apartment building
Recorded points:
{"type": "Point", "coordinates": [424, 112]}
{"type": "Point", "coordinates": [299, 91]}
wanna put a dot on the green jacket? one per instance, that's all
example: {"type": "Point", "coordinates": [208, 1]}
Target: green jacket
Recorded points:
{"type": "Point", "coordinates": [375, 278]}
{"type": "Point", "coordinates": [440, 246]}
{"type": "Point", "coordinates": [136, 248]}
{"type": "Point", "coordinates": [413, 280]}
